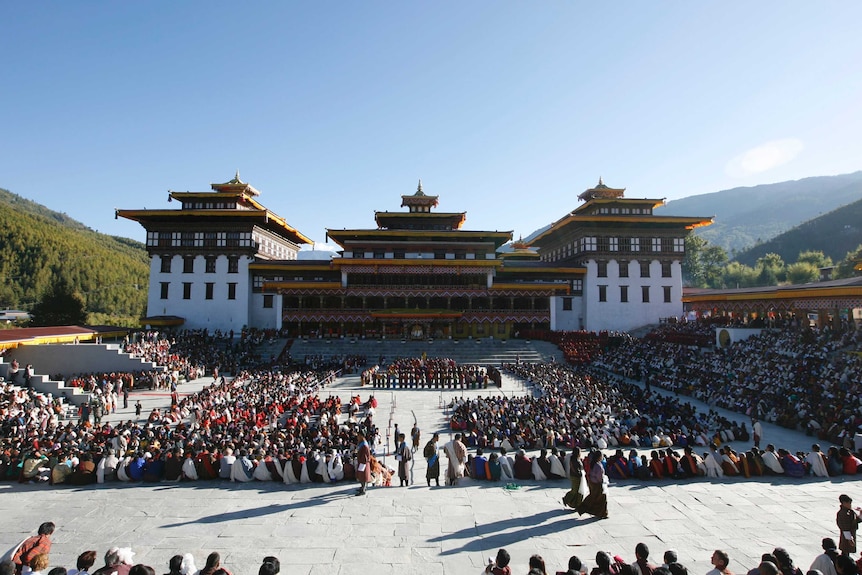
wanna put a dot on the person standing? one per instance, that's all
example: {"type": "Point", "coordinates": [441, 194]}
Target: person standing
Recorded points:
{"type": "Point", "coordinates": [32, 546]}
{"type": "Point", "coordinates": [363, 463]}
{"type": "Point", "coordinates": [596, 503]}
{"type": "Point", "coordinates": [848, 521]}
{"type": "Point", "coordinates": [414, 436]}
{"type": "Point", "coordinates": [432, 457]}
{"type": "Point", "coordinates": [456, 452]}
{"type": "Point", "coordinates": [404, 455]}
{"type": "Point", "coordinates": [756, 431]}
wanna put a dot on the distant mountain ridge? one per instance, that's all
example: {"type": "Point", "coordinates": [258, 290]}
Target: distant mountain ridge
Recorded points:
{"type": "Point", "coordinates": [745, 217]}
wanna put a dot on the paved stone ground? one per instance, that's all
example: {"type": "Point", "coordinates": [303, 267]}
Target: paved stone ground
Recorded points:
{"type": "Point", "coordinates": [452, 530]}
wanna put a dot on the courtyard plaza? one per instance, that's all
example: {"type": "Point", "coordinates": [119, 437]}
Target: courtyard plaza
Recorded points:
{"type": "Point", "coordinates": [324, 528]}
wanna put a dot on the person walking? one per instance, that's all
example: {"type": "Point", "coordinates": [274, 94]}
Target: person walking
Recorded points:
{"type": "Point", "coordinates": [432, 457]}
{"type": "Point", "coordinates": [578, 479]}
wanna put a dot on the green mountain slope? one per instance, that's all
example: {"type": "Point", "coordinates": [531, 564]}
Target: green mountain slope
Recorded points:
{"type": "Point", "coordinates": [835, 234]}
{"type": "Point", "coordinates": [745, 217]}
{"type": "Point", "coordinates": [37, 245]}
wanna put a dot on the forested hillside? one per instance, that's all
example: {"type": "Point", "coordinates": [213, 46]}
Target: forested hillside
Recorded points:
{"type": "Point", "coordinates": [38, 246]}
{"type": "Point", "coordinates": [834, 234]}
{"type": "Point", "coordinates": [745, 217]}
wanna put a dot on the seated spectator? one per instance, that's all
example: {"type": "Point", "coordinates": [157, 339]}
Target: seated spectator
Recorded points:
{"type": "Point", "coordinates": [500, 565]}
{"type": "Point", "coordinates": [480, 462]}
{"type": "Point", "coordinates": [523, 467]}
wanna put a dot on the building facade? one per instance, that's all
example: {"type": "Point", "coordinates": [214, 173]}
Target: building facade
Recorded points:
{"type": "Point", "coordinates": [632, 257]}
{"type": "Point", "coordinates": [223, 261]}
{"type": "Point", "coordinates": [200, 255]}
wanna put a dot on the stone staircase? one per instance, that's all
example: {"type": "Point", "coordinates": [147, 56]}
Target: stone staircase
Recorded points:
{"type": "Point", "coordinates": [465, 351]}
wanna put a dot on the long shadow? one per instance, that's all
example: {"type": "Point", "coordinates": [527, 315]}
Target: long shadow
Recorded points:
{"type": "Point", "coordinates": [490, 536]}
{"type": "Point", "coordinates": [321, 499]}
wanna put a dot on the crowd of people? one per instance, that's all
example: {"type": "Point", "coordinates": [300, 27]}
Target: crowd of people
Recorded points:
{"type": "Point", "coordinates": [429, 373]}
{"type": "Point", "coordinates": [32, 557]}
{"type": "Point", "coordinates": [800, 379]}
{"type": "Point", "coordinates": [835, 560]}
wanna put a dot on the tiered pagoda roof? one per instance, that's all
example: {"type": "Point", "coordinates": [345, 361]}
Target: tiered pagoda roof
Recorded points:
{"type": "Point", "coordinates": [231, 201]}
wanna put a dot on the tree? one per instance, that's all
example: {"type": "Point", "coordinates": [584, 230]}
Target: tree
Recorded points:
{"type": "Point", "coordinates": [814, 257]}
{"type": "Point", "coordinates": [704, 262]}
{"type": "Point", "coordinates": [737, 275]}
{"type": "Point", "coordinates": [802, 273]}
{"type": "Point", "coordinates": [847, 267]}
{"type": "Point", "coordinates": [770, 270]}
{"type": "Point", "coordinates": [59, 305]}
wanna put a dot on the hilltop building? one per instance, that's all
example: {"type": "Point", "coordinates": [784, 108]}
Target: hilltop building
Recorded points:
{"type": "Point", "coordinates": [223, 261]}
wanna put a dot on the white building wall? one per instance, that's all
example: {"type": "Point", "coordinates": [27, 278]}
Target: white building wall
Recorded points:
{"type": "Point", "coordinates": [567, 320]}
{"type": "Point", "coordinates": [219, 313]}
{"type": "Point", "coordinates": [616, 315]}
{"type": "Point", "coordinates": [261, 317]}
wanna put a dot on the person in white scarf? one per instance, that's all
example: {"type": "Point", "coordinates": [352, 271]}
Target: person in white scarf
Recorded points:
{"type": "Point", "coordinates": [334, 466]}
{"type": "Point", "coordinates": [816, 461]}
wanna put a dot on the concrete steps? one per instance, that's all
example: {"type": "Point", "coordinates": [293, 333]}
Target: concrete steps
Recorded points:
{"type": "Point", "coordinates": [484, 351]}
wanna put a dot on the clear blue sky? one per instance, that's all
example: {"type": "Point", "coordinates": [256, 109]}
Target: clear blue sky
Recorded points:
{"type": "Point", "coordinates": [506, 109]}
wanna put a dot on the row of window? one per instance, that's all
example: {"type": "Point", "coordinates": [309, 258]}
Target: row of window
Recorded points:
{"type": "Point", "coordinates": [209, 264]}
{"type": "Point", "coordinates": [401, 254]}
{"type": "Point", "coordinates": [615, 245]}
{"type": "Point", "coordinates": [209, 290]}
{"type": "Point", "coordinates": [209, 205]}
{"type": "Point", "coordinates": [623, 267]}
{"type": "Point", "coordinates": [199, 239]}
{"type": "Point", "coordinates": [624, 294]}
{"type": "Point", "coordinates": [624, 211]}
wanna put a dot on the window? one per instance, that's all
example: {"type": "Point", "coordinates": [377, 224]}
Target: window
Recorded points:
{"type": "Point", "coordinates": [379, 255]}
{"type": "Point", "coordinates": [644, 269]}
{"type": "Point", "coordinates": [210, 287]}
{"type": "Point", "coordinates": [577, 287]}
{"type": "Point", "coordinates": [645, 294]}
{"type": "Point", "coordinates": [624, 269]}
{"type": "Point", "coordinates": [166, 264]}
{"type": "Point", "coordinates": [679, 245]}
{"type": "Point", "coordinates": [656, 244]}
{"type": "Point", "coordinates": [666, 290]}
{"type": "Point", "coordinates": [588, 244]}
{"type": "Point", "coordinates": [602, 270]}
{"type": "Point", "coordinates": [231, 290]}
{"type": "Point", "coordinates": [603, 293]}
{"type": "Point", "coordinates": [636, 244]}
{"type": "Point", "coordinates": [665, 270]}
{"type": "Point", "coordinates": [210, 264]}
{"type": "Point", "coordinates": [188, 264]}
{"type": "Point", "coordinates": [164, 289]}
{"type": "Point", "coordinates": [624, 294]}
{"type": "Point", "coordinates": [398, 255]}
{"type": "Point", "coordinates": [567, 304]}
{"type": "Point", "coordinates": [267, 301]}
{"type": "Point", "coordinates": [233, 265]}
{"type": "Point", "coordinates": [614, 244]}
{"type": "Point", "coordinates": [187, 290]}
